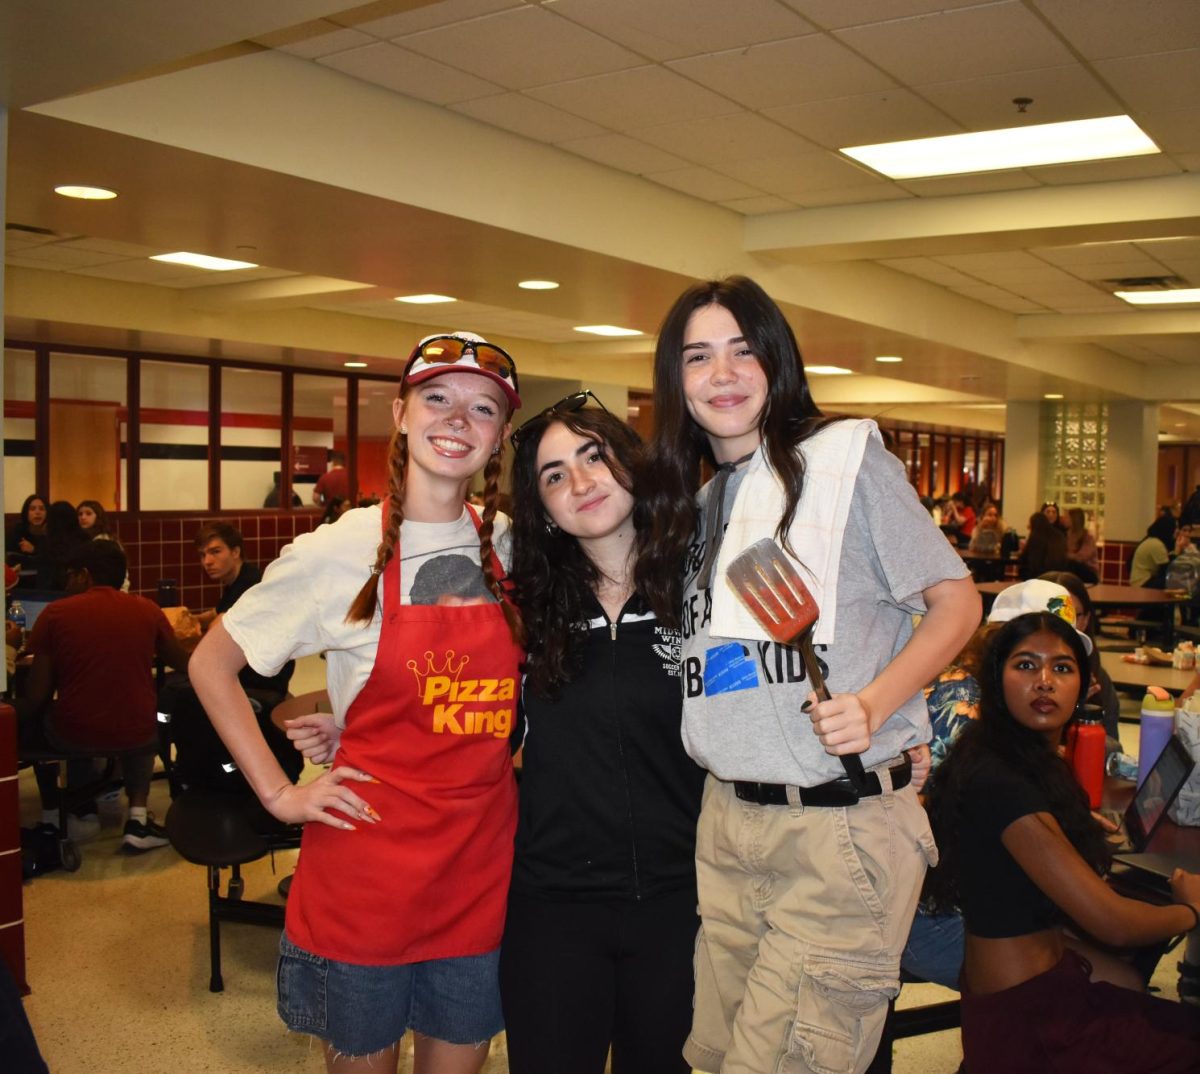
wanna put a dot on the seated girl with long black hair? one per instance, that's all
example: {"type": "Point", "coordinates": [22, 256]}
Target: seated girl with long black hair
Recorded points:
{"type": "Point", "coordinates": [1021, 855]}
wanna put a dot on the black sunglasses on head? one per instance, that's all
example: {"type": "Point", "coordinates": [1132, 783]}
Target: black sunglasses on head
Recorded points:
{"type": "Point", "coordinates": [566, 405]}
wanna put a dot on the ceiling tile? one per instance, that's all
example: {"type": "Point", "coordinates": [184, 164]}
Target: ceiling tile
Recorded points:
{"type": "Point", "coordinates": [982, 292]}
{"type": "Point", "coordinates": [523, 115]}
{"type": "Point", "coordinates": [641, 97]}
{"type": "Point", "coordinates": [976, 183]}
{"type": "Point", "coordinates": [1119, 270]}
{"type": "Point", "coordinates": [58, 255]}
{"type": "Point", "coordinates": [1171, 249]}
{"type": "Point", "coordinates": [1174, 130]}
{"type": "Point", "coordinates": [1058, 94]}
{"type": "Point", "coordinates": [624, 153]}
{"type": "Point", "coordinates": [523, 47]}
{"type": "Point", "coordinates": [23, 259]}
{"type": "Point", "coordinates": [722, 138]}
{"type": "Point", "coordinates": [928, 269]}
{"type": "Point", "coordinates": [1087, 254]}
{"type": "Point", "coordinates": [758, 206]}
{"type": "Point", "coordinates": [1165, 80]}
{"type": "Point", "coordinates": [850, 195]}
{"type": "Point", "coordinates": [144, 271]}
{"type": "Point", "coordinates": [834, 14]}
{"type": "Point", "coordinates": [960, 44]}
{"type": "Point", "coordinates": [791, 175]}
{"type": "Point", "coordinates": [325, 44]}
{"type": "Point", "coordinates": [811, 68]}
{"type": "Point", "coordinates": [405, 72]}
{"type": "Point", "coordinates": [1015, 303]}
{"type": "Point", "coordinates": [110, 246]}
{"type": "Point", "coordinates": [1101, 29]}
{"type": "Point", "coordinates": [885, 116]}
{"type": "Point", "coordinates": [705, 184]}
{"type": "Point", "coordinates": [979, 265]}
{"type": "Point", "coordinates": [16, 238]}
{"type": "Point", "coordinates": [671, 29]}
{"type": "Point", "coordinates": [1188, 269]}
{"type": "Point", "coordinates": [1107, 171]}
{"type": "Point", "coordinates": [424, 17]}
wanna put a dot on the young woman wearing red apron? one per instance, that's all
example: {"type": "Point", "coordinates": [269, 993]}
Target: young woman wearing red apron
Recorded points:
{"type": "Point", "coordinates": [396, 912]}
{"type": "Point", "coordinates": [446, 791]}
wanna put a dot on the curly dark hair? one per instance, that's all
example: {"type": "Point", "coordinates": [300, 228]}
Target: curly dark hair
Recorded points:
{"type": "Point", "coordinates": [553, 576]}
{"type": "Point", "coordinates": [996, 735]}
{"type": "Point", "coordinates": [789, 417]}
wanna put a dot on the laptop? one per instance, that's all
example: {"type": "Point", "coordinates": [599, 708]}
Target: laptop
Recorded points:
{"type": "Point", "coordinates": [1148, 810]}
{"type": "Point", "coordinates": [34, 601]}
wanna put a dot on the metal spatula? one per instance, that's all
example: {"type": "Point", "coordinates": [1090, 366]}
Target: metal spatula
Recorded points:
{"type": "Point", "coordinates": [767, 583]}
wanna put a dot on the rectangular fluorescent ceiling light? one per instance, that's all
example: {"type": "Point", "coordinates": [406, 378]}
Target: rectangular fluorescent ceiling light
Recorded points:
{"type": "Point", "coordinates": [827, 370]}
{"type": "Point", "coordinates": [425, 300]}
{"type": "Point", "coordinates": [1012, 147]}
{"type": "Point", "coordinates": [606, 330]}
{"type": "Point", "coordinates": [1160, 298]}
{"type": "Point", "coordinates": [213, 264]}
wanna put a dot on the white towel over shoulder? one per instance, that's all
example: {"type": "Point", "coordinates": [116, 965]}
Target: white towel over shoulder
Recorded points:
{"type": "Point", "coordinates": [832, 458]}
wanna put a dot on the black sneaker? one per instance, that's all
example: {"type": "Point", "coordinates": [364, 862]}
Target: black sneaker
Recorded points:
{"type": "Point", "coordinates": [143, 835]}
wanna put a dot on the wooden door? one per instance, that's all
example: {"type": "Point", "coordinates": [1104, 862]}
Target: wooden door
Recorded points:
{"type": "Point", "coordinates": [84, 452]}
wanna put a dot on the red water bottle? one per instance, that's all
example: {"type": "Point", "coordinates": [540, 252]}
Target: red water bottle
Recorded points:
{"type": "Point", "coordinates": [1086, 755]}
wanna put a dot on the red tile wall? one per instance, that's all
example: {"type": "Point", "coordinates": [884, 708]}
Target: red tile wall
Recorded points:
{"type": "Point", "coordinates": [1114, 561]}
{"type": "Point", "coordinates": [161, 544]}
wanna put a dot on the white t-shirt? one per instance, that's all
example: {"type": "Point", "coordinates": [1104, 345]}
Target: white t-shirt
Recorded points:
{"type": "Point", "coordinates": [299, 607]}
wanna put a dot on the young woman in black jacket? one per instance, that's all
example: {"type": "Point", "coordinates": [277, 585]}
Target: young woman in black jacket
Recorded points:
{"type": "Point", "coordinates": [597, 948]}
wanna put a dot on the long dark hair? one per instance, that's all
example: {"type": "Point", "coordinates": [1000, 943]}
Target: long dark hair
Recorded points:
{"type": "Point", "coordinates": [789, 416]}
{"type": "Point", "coordinates": [1045, 548]}
{"type": "Point", "coordinates": [996, 735]}
{"type": "Point", "coordinates": [21, 529]}
{"type": "Point", "coordinates": [101, 527]}
{"type": "Point", "coordinates": [553, 576]}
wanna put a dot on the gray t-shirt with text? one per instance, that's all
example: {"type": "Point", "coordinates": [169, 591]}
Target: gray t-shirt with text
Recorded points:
{"type": "Point", "coordinates": [741, 711]}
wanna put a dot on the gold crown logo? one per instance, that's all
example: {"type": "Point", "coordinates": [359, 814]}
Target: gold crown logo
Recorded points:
{"type": "Point", "coordinates": [448, 669]}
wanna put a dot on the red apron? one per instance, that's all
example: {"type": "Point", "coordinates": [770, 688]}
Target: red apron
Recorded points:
{"type": "Point", "coordinates": [432, 724]}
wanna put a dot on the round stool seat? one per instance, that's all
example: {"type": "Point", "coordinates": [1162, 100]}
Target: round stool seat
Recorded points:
{"type": "Point", "coordinates": [216, 828]}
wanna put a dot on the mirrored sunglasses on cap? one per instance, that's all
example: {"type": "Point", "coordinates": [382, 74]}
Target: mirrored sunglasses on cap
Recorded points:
{"type": "Point", "coordinates": [432, 356]}
{"type": "Point", "coordinates": [568, 404]}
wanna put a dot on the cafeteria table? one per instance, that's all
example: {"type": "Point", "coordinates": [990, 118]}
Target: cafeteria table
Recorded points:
{"type": "Point", "coordinates": [1114, 596]}
{"type": "Point", "coordinates": [1125, 673]}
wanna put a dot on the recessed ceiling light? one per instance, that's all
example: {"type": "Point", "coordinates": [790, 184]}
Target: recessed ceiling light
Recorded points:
{"type": "Point", "coordinates": [1179, 295]}
{"type": "Point", "coordinates": [1012, 147]}
{"type": "Point", "coordinates": [203, 261]}
{"type": "Point", "coordinates": [606, 330]}
{"type": "Point", "coordinates": [355, 365]}
{"type": "Point", "coordinates": [827, 370]}
{"type": "Point", "coordinates": [893, 359]}
{"type": "Point", "coordinates": [1052, 395]}
{"type": "Point", "coordinates": [425, 300]}
{"type": "Point", "coordinates": [87, 193]}
{"type": "Point", "coordinates": [538, 285]}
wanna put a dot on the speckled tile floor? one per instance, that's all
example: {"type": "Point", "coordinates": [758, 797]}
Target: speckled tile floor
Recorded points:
{"type": "Point", "coordinates": [118, 964]}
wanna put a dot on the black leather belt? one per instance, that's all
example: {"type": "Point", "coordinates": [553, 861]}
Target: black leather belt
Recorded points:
{"type": "Point", "coordinates": [837, 792]}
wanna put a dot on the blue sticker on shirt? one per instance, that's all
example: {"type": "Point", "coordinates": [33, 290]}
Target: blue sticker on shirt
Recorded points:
{"type": "Point", "coordinates": [728, 668]}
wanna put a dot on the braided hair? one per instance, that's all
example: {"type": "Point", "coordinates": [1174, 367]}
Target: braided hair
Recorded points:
{"type": "Point", "coordinates": [362, 609]}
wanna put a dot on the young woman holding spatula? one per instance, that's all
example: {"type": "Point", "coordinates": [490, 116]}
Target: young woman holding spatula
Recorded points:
{"type": "Point", "coordinates": [601, 926]}
{"type": "Point", "coordinates": [808, 878]}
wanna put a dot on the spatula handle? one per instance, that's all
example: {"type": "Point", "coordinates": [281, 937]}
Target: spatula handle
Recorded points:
{"type": "Point", "coordinates": [851, 762]}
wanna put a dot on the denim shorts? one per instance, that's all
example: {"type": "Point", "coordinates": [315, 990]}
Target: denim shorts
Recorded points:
{"type": "Point", "coordinates": [361, 1010]}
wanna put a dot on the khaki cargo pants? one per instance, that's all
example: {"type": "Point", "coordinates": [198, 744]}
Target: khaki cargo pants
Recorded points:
{"type": "Point", "coordinates": [804, 913]}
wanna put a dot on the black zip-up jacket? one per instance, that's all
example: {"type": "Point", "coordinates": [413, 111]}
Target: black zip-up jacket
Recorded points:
{"type": "Point", "coordinates": [609, 798]}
